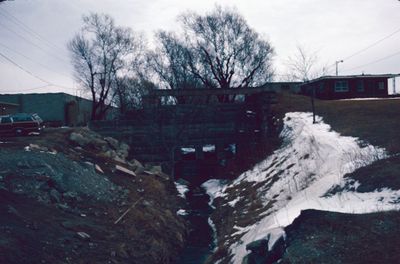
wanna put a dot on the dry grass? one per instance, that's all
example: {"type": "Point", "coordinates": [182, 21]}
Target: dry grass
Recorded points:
{"type": "Point", "coordinates": [328, 237]}
{"type": "Point", "coordinates": [374, 121]}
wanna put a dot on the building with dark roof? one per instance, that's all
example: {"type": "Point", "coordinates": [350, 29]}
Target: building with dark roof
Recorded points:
{"type": "Point", "coordinates": [56, 109]}
{"type": "Point", "coordinates": [351, 86]}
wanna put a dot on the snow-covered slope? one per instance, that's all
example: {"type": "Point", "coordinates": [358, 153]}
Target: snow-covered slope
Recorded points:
{"type": "Point", "coordinates": [298, 176]}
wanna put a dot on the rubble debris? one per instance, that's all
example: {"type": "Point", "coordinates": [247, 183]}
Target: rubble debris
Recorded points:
{"type": "Point", "coordinates": [83, 235]}
{"type": "Point", "coordinates": [125, 170]}
{"type": "Point", "coordinates": [98, 168]}
{"type": "Point", "coordinates": [127, 211]}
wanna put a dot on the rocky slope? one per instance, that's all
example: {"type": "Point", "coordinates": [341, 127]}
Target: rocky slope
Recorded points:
{"type": "Point", "coordinates": [71, 196]}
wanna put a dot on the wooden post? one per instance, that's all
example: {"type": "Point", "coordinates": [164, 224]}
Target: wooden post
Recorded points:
{"type": "Point", "coordinates": [313, 103]}
{"type": "Point", "coordinates": [199, 152]}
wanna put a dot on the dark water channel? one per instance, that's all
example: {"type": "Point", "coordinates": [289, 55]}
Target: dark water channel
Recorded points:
{"type": "Point", "coordinates": [200, 241]}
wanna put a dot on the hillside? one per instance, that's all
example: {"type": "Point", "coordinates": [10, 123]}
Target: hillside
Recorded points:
{"type": "Point", "coordinates": [317, 168]}
{"type": "Point", "coordinates": [71, 196]}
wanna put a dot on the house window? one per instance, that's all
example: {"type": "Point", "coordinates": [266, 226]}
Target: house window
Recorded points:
{"type": "Point", "coordinates": [341, 86]}
{"type": "Point", "coordinates": [381, 85]}
{"type": "Point", "coordinates": [360, 86]}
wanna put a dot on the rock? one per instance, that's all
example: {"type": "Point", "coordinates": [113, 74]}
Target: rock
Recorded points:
{"type": "Point", "coordinates": [137, 166]}
{"type": "Point", "coordinates": [258, 247]}
{"type": "Point", "coordinates": [112, 142]}
{"type": "Point", "coordinates": [37, 147]}
{"type": "Point", "coordinates": [260, 251]}
{"type": "Point", "coordinates": [156, 169]}
{"type": "Point", "coordinates": [119, 159]}
{"type": "Point", "coordinates": [110, 154]}
{"type": "Point", "coordinates": [78, 139]}
{"type": "Point", "coordinates": [55, 196]}
{"type": "Point", "coordinates": [71, 197]}
{"type": "Point", "coordinates": [86, 138]}
{"type": "Point", "coordinates": [123, 150]}
{"type": "Point", "coordinates": [89, 163]}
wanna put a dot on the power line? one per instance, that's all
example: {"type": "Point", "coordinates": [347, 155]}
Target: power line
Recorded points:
{"type": "Point", "coordinates": [27, 29]}
{"type": "Point", "coordinates": [26, 90]}
{"type": "Point", "coordinates": [33, 75]}
{"type": "Point", "coordinates": [30, 59]}
{"type": "Point", "coordinates": [32, 43]}
{"type": "Point", "coordinates": [23, 69]}
{"type": "Point", "coordinates": [373, 44]}
{"type": "Point", "coordinates": [375, 61]}
{"type": "Point", "coordinates": [366, 48]}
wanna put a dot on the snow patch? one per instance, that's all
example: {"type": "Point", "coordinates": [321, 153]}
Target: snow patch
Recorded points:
{"type": "Point", "coordinates": [214, 188]}
{"type": "Point", "coordinates": [182, 189]}
{"type": "Point", "coordinates": [312, 159]}
{"type": "Point", "coordinates": [182, 212]}
{"type": "Point", "coordinates": [233, 202]}
{"type": "Point", "coordinates": [209, 148]}
{"type": "Point", "coordinates": [188, 150]}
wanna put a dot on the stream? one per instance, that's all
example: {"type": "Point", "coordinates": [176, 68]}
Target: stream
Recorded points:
{"type": "Point", "coordinates": [200, 242]}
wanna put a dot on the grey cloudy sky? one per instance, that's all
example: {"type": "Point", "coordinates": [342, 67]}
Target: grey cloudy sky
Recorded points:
{"type": "Point", "coordinates": [336, 29]}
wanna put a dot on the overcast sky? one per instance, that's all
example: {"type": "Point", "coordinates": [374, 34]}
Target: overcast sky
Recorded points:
{"type": "Point", "coordinates": [34, 33]}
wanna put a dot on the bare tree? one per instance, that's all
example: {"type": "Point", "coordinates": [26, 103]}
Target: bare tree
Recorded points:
{"type": "Point", "coordinates": [224, 51]}
{"type": "Point", "coordinates": [218, 49]}
{"type": "Point", "coordinates": [304, 65]}
{"type": "Point", "coordinates": [130, 91]}
{"type": "Point", "coordinates": [169, 61]}
{"type": "Point", "coordinates": [100, 51]}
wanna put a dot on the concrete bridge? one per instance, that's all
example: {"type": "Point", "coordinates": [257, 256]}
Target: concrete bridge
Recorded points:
{"type": "Point", "coordinates": [228, 120]}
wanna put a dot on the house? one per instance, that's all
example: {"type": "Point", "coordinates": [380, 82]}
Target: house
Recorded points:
{"type": "Point", "coordinates": [56, 109]}
{"type": "Point", "coordinates": [351, 86]}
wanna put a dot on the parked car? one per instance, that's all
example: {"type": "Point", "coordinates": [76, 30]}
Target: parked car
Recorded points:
{"type": "Point", "coordinates": [20, 124]}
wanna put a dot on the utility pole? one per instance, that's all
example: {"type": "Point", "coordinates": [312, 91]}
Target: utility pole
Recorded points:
{"type": "Point", "coordinates": [337, 62]}
{"type": "Point", "coordinates": [394, 85]}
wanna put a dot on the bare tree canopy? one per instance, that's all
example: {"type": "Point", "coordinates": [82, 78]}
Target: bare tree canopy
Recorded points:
{"type": "Point", "coordinates": [304, 65]}
{"type": "Point", "coordinates": [217, 50]}
{"type": "Point", "coordinates": [170, 62]}
{"type": "Point", "coordinates": [102, 51]}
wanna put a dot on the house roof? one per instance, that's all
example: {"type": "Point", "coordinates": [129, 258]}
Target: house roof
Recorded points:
{"type": "Point", "coordinates": [388, 75]}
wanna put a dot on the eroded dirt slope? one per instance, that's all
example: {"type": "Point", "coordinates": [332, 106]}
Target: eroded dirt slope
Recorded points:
{"type": "Point", "coordinates": [63, 200]}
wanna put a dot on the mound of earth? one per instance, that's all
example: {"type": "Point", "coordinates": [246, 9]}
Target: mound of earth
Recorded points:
{"type": "Point", "coordinates": [71, 196]}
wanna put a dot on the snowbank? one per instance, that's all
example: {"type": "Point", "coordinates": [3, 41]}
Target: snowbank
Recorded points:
{"type": "Point", "coordinates": [298, 175]}
{"type": "Point", "coordinates": [214, 188]}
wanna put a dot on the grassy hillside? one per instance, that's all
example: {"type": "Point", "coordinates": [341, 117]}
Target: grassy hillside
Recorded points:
{"type": "Point", "coordinates": [328, 237]}
{"type": "Point", "coordinates": [375, 121]}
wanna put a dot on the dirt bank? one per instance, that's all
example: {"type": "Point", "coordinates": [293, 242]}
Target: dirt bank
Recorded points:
{"type": "Point", "coordinates": [77, 199]}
